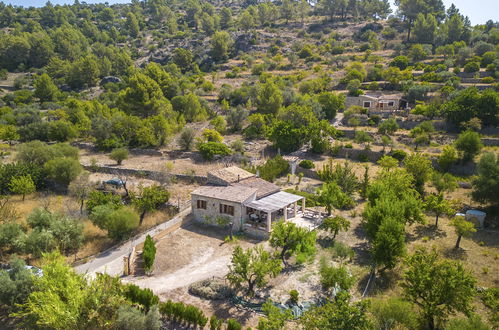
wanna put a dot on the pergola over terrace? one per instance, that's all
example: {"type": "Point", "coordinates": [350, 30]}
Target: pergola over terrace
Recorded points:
{"type": "Point", "coordinates": [274, 203]}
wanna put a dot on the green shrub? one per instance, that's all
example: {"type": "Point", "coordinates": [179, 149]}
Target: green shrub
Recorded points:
{"type": "Point", "coordinates": [149, 253]}
{"type": "Point", "coordinates": [307, 164]}
{"type": "Point", "coordinates": [63, 170]}
{"type": "Point", "coordinates": [398, 154]}
{"type": "Point", "coordinates": [96, 198]}
{"type": "Point", "coordinates": [233, 325]}
{"type": "Point", "coordinates": [311, 200]}
{"type": "Point", "coordinates": [144, 297]}
{"type": "Point", "coordinates": [273, 168]}
{"type": "Point", "coordinates": [393, 313]}
{"type": "Point", "coordinates": [342, 251]}
{"type": "Point", "coordinates": [294, 296]}
{"type": "Point", "coordinates": [215, 323]}
{"type": "Point", "coordinates": [211, 149]}
{"type": "Point", "coordinates": [363, 158]}
{"type": "Point", "coordinates": [472, 67]}
{"type": "Point", "coordinates": [119, 155]}
{"type": "Point", "coordinates": [487, 80]}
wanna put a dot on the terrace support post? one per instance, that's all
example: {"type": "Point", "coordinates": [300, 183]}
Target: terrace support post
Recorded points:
{"type": "Point", "coordinates": [269, 221]}
{"type": "Point", "coordinates": [296, 209]}
{"type": "Point", "coordinates": [285, 213]}
{"type": "Point", "coordinates": [303, 205]}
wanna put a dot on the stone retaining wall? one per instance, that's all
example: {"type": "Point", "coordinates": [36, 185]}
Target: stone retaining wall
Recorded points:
{"type": "Point", "coordinates": [147, 174]}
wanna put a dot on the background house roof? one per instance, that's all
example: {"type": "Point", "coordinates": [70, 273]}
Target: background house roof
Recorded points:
{"type": "Point", "coordinates": [263, 188]}
{"type": "Point", "coordinates": [230, 174]}
{"type": "Point", "coordinates": [236, 193]}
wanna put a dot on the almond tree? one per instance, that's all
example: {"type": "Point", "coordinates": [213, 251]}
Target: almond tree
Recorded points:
{"type": "Point", "coordinates": [252, 267]}
{"type": "Point", "coordinates": [439, 287]}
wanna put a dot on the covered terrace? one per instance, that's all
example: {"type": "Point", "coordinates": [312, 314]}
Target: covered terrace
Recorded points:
{"type": "Point", "coordinates": [273, 208]}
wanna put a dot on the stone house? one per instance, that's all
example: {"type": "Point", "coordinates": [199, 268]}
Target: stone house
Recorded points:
{"type": "Point", "coordinates": [384, 105]}
{"type": "Point", "coordinates": [250, 203]}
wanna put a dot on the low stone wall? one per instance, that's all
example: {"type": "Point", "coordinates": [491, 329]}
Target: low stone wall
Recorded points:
{"type": "Point", "coordinates": [309, 173]}
{"type": "Point", "coordinates": [256, 233]}
{"type": "Point", "coordinates": [153, 175]}
{"type": "Point", "coordinates": [356, 154]}
{"type": "Point", "coordinates": [490, 142]}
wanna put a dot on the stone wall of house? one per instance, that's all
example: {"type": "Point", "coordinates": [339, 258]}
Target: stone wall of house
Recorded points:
{"type": "Point", "coordinates": [212, 215]}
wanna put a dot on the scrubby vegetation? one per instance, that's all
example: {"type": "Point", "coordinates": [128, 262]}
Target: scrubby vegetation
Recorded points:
{"type": "Point", "coordinates": [384, 117]}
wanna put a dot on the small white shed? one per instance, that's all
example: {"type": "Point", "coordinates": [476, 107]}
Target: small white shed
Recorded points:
{"type": "Point", "coordinates": [475, 215]}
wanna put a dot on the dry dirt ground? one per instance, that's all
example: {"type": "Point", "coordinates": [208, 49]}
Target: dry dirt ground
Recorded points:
{"type": "Point", "coordinates": [187, 255]}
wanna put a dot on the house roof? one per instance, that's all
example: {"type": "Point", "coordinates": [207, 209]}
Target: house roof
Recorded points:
{"type": "Point", "coordinates": [274, 202]}
{"type": "Point", "coordinates": [235, 193]}
{"type": "Point", "coordinates": [263, 188]}
{"type": "Point", "coordinates": [230, 174]}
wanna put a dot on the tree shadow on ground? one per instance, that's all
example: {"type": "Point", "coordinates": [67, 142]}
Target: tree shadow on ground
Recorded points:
{"type": "Point", "coordinates": [359, 231]}
{"type": "Point", "coordinates": [362, 256]}
{"type": "Point", "coordinates": [486, 237]}
{"type": "Point", "coordinates": [456, 254]}
{"type": "Point", "coordinates": [421, 231]}
{"type": "Point", "coordinates": [225, 309]}
{"type": "Point", "coordinates": [385, 280]}
{"type": "Point", "coordinates": [325, 242]}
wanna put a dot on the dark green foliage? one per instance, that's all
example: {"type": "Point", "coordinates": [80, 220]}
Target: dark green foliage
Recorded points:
{"type": "Point", "coordinates": [337, 314]}
{"type": "Point", "coordinates": [119, 222]}
{"type": "Point", "coordinates": [233, 325]}
{"type": "Point", "coordinates": [398, 154]}
{"type": "Point", "coordinates": [252, 268]}
{"type": "Point", "coordinates": [16, 284]}
{"type": "Point", "coordinates": [332, 277]}
{"type": "Point", "coordinates": [400, 62]}
{"type": "Point", "coordinates": [470, 103]}
{"type": "Point", "coordinates": [144, 297]}
{"type": "Point", "coordinates": [393, 312]}
{"type": "Point", "coordinates": [332, 197]}
{"type": "Point", "coordinates": [182, 313]}
{"type": "Point", "coordinates": [388, 127]}
{"type": "Point", "coordinates": [148, 253]}
{"type": "Point", "coordinates": [210, 150]}
{"type": "Point", "coordinates": [343, 176]}
{"type": "Point", "coordinates": [186, 140]}
{"type": "Point", "coordinates": [119, 155]}
{"type": "Point", "coordinates": [439, 287]}
{"type": "Point", "coordinates": [389, 243]}
{"type": "Point", "coordinates": [149, 199]}
{"type": "Point", "coordinates": [292, 240]}
{"type": "Point", "coordinates": [96, 198]}
{"type": "Point", "coordinates": [12, 170]}
{"type": "Point", "coordinates": [307, 164]}
{"type": "Point", "coordinates": [335, 224]}
{"type": "Point", "coordinates": [63, 170]}
{"type": "Point", "coordinates": [469, 145]}
{"type": "Point", "coordinates": [52, 230]}
{"type": "Point", "coordinates": [473, 322]}
{"type": "Point", "coordinates": [273, 168]}
{"type": "Point", "coordinates": [486, 184]}
{"type": "Point", "coordinates": [129, 317]}
{"type": "Point", "coordinates": [311, 199]}
{"type": "Point", "coordinates": [276, 317]}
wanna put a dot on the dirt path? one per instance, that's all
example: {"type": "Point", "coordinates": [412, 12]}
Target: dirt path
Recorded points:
{"type": "Point", "coordinates": [189, 254]}
{"type": "Point", "coordinates": [200, 269]}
